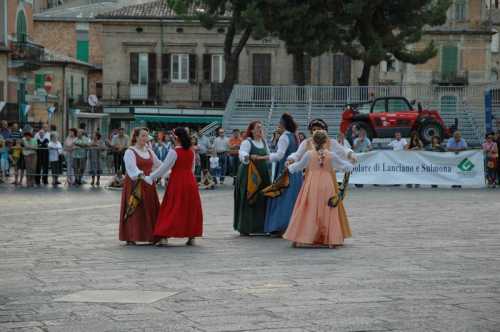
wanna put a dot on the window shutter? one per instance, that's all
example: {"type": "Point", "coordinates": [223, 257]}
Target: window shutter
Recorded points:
{"type": "Point", "coordinates": [39, 81]}
{"type": "Point", "coordinates": [152, 75]}
{"type": "Point", "coordinates": [207, 67]}
{"type": "Point", "coordinates": [192, 68]}
{"type": "Point", "coordinates": [82, 50]}
{"type": "Point", "coordinates": [134, 68]}
{"type": "Point", "coordinates": [165, 67]}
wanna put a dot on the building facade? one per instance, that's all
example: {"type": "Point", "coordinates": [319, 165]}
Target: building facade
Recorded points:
{"type": "Point", "coordinates": [4, 55]}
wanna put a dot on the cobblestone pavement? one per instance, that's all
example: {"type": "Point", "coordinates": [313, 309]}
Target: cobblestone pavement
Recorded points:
{"type": "Point", "coordinates": [420, 260]}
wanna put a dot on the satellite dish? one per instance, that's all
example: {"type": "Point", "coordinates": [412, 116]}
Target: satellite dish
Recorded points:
{"type": "Point", "coordinates": [93, 101]}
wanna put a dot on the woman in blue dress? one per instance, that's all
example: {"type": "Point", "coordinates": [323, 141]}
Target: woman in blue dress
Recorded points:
{"type": "Point", "coordinates": [279, 209]}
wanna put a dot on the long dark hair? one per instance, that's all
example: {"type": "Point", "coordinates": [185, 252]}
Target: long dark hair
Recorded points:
{"type": "Point", "coordinates": [136, 133]}
{"type": "Point", "coordinates": [182, 134]}
{"type": "Point", "coordinates": [288, 123]}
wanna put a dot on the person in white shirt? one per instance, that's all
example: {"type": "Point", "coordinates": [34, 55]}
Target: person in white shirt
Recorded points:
{"type": "Point", "coordinates": [55, 150]}
{"type": "Point", "coordinates": [398, 143]}
{"type": "Point", "coordinates": [203, 147]}
{"type": "Point", "coordinates": [221, 147]}
{"type": "Point", "coordinates": [215, 169]}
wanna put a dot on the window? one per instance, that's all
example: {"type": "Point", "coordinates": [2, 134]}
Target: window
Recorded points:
{"type": "Point", "coordinates": [460, 10]}
{"type": "Point", "coordinates": [1, 91]}
{"type": "Point", "coordinates": [72, 86]}
{"type": "Point", "coordinates": [495, 42]}
{"type": "Point", "coordinates": [39, 81]}
{"type": "Point", "coordinates": [143, 69]}
{"type": "Point", "coordinates": [82, 42]}
{"type": "Point", "coordinates": [180, 68]}
{"type": "Point", "coordinates": [341, 70]}
{"type": "Point", "coordinates": [379, 106]}
{"type": "Point", "coordinates": [83, 86]}
{"type": "Point", "coordinates": [449, 62]}
{"type": "Point", "coordinates": [218, 67]}
{"type": "Point", "coordinates": [398, 105]}
{"type": "Point", "coordinates": [21, 30]}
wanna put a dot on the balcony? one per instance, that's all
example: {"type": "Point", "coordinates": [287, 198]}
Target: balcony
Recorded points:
{"type": "Point", "coordinates": [126, 93]}
{"type": "Point", "coordinates": [29, 54]}
{"type": "Point", "coordinates": [456, 78]}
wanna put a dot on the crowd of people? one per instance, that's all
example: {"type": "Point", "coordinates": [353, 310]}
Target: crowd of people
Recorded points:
{"type": "Point", "coordinates": [28, 157]}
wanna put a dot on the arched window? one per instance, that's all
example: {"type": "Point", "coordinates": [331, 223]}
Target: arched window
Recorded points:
{"type": "Point", "coordinates": [21, 27]}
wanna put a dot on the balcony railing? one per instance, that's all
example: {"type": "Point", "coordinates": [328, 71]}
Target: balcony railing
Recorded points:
{"type": "Point", "coordinates": [26, 51]}
{"type": "Point", "coordinates": [125, 92]}
{"type": "Point", "coordinates": [452, 78]}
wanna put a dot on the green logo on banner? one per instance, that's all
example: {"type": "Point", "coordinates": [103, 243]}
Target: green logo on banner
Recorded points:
{"type": "Point", "coordinates": [465, 165]}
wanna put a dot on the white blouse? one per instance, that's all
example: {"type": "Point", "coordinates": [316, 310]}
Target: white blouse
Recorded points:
{"type": "Point", "coordinates": [166, 166]}
{"type": "Point", "coordinates": [339, 151]}
{"type": "Point", "coordinates": [246, 147]}
{"type": "Point", "coordinates": [131, 163]}
{"type": "Point", "coordinates": [283, 143]}
{"type": "Point", "coordinates": [337, 164]}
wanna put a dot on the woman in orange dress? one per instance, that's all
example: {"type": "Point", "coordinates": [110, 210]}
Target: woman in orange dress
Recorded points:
{"type": "Point", "coordinates": [313, 221]}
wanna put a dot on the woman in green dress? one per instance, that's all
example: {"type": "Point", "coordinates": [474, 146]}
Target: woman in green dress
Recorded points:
{"type": "Point", "coordinates": [249, 204]}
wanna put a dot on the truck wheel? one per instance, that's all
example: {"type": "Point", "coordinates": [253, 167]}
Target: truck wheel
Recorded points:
{"type": "Point", "coordinates": [359, 125]}
{"type": "Point", "coordinates": [429, 129]}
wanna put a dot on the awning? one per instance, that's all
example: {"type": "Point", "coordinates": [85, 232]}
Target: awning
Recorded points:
{"type": "Point", "coordinates": [178, 119]}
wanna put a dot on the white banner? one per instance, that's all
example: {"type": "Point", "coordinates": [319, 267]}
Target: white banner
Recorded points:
{"type": "Point", "coordinates": [388, 167]}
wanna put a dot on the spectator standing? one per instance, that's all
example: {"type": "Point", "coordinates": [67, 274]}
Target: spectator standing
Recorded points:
{"type": "Point", "coordinates": [4, 160]}
{"type": "Point", "coordinates": [203, 148]}
{"type": "Point", "coordinates": [215, 169]}
{"type": "Point", "coordinates": [234, 148]}
{"type": "Point", "coordinates": [42, 160]}
{"type": "Point", "coordinates": [398, 143]}
{"type": "Point", "coordinates": [17, 159]}
{"type": "Point", "coordinates": [29, 152]}
{"type": "Point", "coordinates": [457, 143]}
{"type": "Point", "coordinates": [97, 148]}
{"type": "Point", "coordinates": [5, 132]}
{"type": "Point", "coordinates": [119, 143]}
{"type": "Point", "coordinates": [82, 143]}
{"type": "Point", "coordinates": [490, 149]}
{"type": "Point", "coordinates": [55, 150]}
{"type": "Point", "coordinates": [221, 147]}
{"type": "Point", "coordinates": [161, 147]}
{"type": "Point", "coordinates": [415, 142]}
{"type": "Point", "coordinates": [197, 161]}
{"type": "Point", "coordinates": [15, 132]}
{"type": "Point", "coordinates": [69, 149]}
{"type": "Point", "coordinates": [362, 143]}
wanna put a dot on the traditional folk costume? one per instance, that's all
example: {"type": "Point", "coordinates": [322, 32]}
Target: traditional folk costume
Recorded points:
{"type": "Point", "coordinates": [339, 152]}
{"type": "Point", "coordinates": [139, 225]}
{"type": "Point", "coordinates": [180, 213]}
{"type": "Point", "coordinates": [313, 221]}
{"type": "Point", "coordinates": [253, 176]}
{"type": "Point", "coordinates": [279, 209]}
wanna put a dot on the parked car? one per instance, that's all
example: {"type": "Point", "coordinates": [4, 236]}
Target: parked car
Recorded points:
{"type": "Point", "coordinates": [383, 117]}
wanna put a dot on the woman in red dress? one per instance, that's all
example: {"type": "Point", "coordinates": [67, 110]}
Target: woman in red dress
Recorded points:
{"type": "Point", "coordinates": [180, 213]}
{"type": "Point", "coordinates": [139, 162]}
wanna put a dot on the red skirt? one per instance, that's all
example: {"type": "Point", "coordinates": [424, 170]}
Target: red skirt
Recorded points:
{"type": "Point", "coordinates": [180, 212]}
{"type": "Point", "coordinates": [140, 226]}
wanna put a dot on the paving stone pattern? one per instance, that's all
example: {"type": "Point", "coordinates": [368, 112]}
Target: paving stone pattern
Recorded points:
{"type": "Point", "coordinates": [420, 260]}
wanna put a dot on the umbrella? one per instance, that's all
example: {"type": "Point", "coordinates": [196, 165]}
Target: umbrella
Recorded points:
{"type": "Point", "coordinates": [134, 199]}
{"type": "Point", "coordinates": [339, 197]}
{"type": "Point", "coordinates": [278, 186]}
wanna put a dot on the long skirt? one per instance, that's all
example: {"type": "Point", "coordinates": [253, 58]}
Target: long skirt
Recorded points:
{"type": "Point", "coordinates": [279, 209]}
{"type": "Point", "coordinates": [140, 225]}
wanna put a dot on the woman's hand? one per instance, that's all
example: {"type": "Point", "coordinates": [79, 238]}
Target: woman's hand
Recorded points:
{"type": "Point", "coordinates": [289, 162]}
{"type": "Point", "coordinates": [254, 157]}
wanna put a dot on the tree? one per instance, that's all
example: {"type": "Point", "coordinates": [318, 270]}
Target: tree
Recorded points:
{"type": "Point", "coordinates": [308, 27]}
{"type": "Point", "coordinates": [383, 29]}
{"type": "Point", "coordinates": [242, 18]}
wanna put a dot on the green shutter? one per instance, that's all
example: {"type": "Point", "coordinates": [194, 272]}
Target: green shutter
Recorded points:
{"type": "Point", "coordinates": [449, 61]}
{"type": "Point", "coordinates": [21, 28]}
{"type": "Point", "coordinates": [82, 50]}
{"type": "Point", "coordinates": [39, 81]}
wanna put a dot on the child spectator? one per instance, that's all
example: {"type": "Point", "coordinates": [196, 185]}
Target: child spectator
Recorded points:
{"type": "Point", "coordinates": [16, 155]}
{"type": "Point", "coordinates": [215, 169]}
{"type": "Point", "coordinates": [415, 142]}
{"type": "Point", "coordinates": [399, 143]}
{"type": "Point", "coordinates": [30, 146]}
{"type": "Point", "coordinates": [117, 181]}
{"type": "Point", "coordinates": [490, 149]}
{"type": "Point", "coordinates": [207, 180]}
{"type": "Point", "coordinates": [55, 150]}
